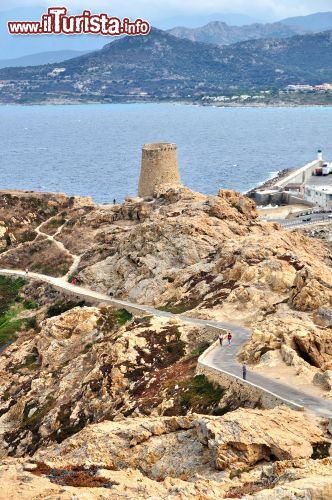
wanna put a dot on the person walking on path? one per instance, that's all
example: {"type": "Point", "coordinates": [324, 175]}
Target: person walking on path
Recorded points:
{"type": "Point", "coordinates": [114, 201]}
{"type": "Point", "coordinates": [26, 272]}
{"type": "Point", "coordinates": [221, 338]}
{"type": "Point", "coordinates": [229, 338]}
{"type": "Point", "coordinates": [244, 371]}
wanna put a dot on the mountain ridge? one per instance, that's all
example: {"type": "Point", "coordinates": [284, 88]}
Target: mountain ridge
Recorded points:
{"type": "Point", "coordinates": [220, 33]}
{"type": "Point", "coordinates": [163, 66]}
{"type": "Point", "coordinates": [49, 57]}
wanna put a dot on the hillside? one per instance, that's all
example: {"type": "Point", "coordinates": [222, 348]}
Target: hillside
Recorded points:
{"type": "Point", "coordinates": [95, 402]}
{"type": "Point", "coordinates": [41, 58]}
{"type": "Point", "coordinates": [162, 66]}
{"type": "Point", "coordinates": [320, 21]}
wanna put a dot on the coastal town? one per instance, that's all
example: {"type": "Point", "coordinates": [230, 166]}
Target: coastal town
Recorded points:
{"type": "Point", "coordinates": [295, 94]}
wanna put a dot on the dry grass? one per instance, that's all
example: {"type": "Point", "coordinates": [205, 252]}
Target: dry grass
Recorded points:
{"type": "Point", "coordinates": [74, 476]}
{"type": "Point", "coordinates": [41, 256]}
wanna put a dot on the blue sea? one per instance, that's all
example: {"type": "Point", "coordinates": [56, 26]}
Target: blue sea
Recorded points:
{"type": "Point", "coordinates": [95, 150]}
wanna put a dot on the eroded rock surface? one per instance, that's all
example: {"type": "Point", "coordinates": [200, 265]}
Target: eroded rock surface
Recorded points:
{"type": "Point", "coordinates": [176, 457]}
{"type": "Point", "coordinates": [85, 366]}
{"type": "Point", "coordinates": [96, 404]}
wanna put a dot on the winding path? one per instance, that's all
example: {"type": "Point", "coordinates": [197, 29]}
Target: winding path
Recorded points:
{"type": "Point", "coordinates": [223, 359]}
{"type": "Point", "coordinates": [60, 245]}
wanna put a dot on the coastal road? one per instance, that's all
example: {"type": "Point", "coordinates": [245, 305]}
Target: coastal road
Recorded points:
{"type": "Point", "coordinates": [315, 220]}
{"type": "Point", "coordinates": [225, 358]}
{"type": "Point", "coordinates": [221, 358]}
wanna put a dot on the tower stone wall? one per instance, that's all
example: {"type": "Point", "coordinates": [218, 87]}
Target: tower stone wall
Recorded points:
{"type": "Point", "coordinates": [159, 168]}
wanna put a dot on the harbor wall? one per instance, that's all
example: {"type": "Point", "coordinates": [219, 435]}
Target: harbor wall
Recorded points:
{"type": "Point", "coordinates": [275, 194]}
{"type": "Point", "coordinates": [300, 175]}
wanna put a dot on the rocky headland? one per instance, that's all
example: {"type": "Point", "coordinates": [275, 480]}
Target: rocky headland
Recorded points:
{"type": "Point", "coordinates": [97, 403]}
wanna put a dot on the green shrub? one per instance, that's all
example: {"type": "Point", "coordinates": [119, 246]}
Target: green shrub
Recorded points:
{"type": "Point", "coordinates": [6, 395]}
{"type": "Point", "coordinates": [237, 473]}
{"type": "Point", "coordinates": [28, 236]}
{"type": "Point", "coordinates": [30, 322]}
{"type": "Point", "coordinates": [57, 222]}
{"type": "Point", "coordinates": [9, 289]}
{"type": "Point", "coordinates": [180, 307]}
{"type": "Point", "coordinates": [31, 361]}
{"type": "Point", "coordinates": [87, 347]}
{"type": "Point", "coordinates": [122, 316]}
{"type": "Point", "coordinates": [200, 393]}
{"type": "Point", "coordinates": [61, 307]}
{"type": "Point", "coordinates": [198, 350]}
{"type": "Point", "coordinates": [9, 326]}
{"type": "Point", "coordinates": [30, 304]}
{"type": "Point", "coordinates": [8, 330]}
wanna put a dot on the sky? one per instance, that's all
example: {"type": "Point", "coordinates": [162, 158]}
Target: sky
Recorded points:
{"type": "Point", "coordinates": [163, 14]}
{"type": "Point", "coordinates": [160, 10]}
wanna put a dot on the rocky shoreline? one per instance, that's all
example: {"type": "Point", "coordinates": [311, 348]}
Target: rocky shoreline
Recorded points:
{"type": "Point", "coordinates": [269, 184]}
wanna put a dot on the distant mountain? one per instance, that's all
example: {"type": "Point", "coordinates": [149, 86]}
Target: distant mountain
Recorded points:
{"type": "Point", "coordinates": [162, 66]}
{"type": "Point", "coordinates": [18, 46]}
{"type": "Point", "coordinates": [220, 33]}
{"type": "Point", "coordinates": [41, 58]}
{"type": "Point", "coordinates": [194, 21]}
{"type": "Point", "coordinates": [12, 46]}
{"type": "Point", "coordinates": [321, 21]}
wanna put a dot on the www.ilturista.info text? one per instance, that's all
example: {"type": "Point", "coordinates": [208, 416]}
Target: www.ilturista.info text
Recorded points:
{"type": "Point", "coordinates": [57, 22]}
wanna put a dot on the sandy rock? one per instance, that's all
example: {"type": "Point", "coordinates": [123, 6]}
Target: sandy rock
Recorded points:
{"type": "Point", "coordinates": [176, 445]}
{"type": "Point", "coordinates": [87, 368]}
{"type": "Point", "coordinates": [324, 380]}
{"type": "Point", "coordinates": [248, 436]}
{"type": "Point", "coordinates": [64, 337]}
{"type": "Point", "coordinates": [316, 347]}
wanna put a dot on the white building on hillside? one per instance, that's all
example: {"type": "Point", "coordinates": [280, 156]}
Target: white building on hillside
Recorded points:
{"type": "Point", "coordinates": [319, 195]}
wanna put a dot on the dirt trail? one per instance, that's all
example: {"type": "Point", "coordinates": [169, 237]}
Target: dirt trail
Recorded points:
{"type": "Point", "coordinates": [76, 258]}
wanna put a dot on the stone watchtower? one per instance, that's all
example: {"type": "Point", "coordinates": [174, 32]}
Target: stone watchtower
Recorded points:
{"type": "Point", "coordinates": [159, 168]}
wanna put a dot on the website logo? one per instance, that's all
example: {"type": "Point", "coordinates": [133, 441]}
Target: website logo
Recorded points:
{"type": "Point", "coordinates": [57, 22]}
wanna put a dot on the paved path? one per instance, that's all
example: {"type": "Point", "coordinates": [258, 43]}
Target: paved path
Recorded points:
{"type": "Point", "coordinates": [224, 358]}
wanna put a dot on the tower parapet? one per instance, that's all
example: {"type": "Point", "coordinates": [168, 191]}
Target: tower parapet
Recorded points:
{"type": "Point", "coordinates": [159, 168]}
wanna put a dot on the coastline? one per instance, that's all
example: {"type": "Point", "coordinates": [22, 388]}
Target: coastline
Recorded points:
{"type": "Point", "coordinates": [235, 105]}
{"type": "Point", "coordinates": [269, 183]}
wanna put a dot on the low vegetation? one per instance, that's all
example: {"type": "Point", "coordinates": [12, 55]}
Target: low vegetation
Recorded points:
{"type": "Point", "coordinates": [60, 307]}
{"type": "Point", "coordinates": [41, 256]}
{"type": "Point", "coordinates": [199, 394]}
{"type": "Point", "coordinates": [74, 476]}
{"type": "Point", "coordinates": [123, 316]}
{"type": "Point", "coordinates": [179, 307]}
{"type": "Point", "coordinates": [9, 290]}
{"type": "Point", "coordinates": [52, 225]}
{"type": "Point", "coordinates": [10, 308]}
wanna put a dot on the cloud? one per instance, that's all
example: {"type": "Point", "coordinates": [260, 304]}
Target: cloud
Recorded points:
{"type": "Point", "coordinates": [150, 9]}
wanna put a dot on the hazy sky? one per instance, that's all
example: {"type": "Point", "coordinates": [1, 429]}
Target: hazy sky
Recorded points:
{"type": "Point", "coordinates": [163, 9]}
